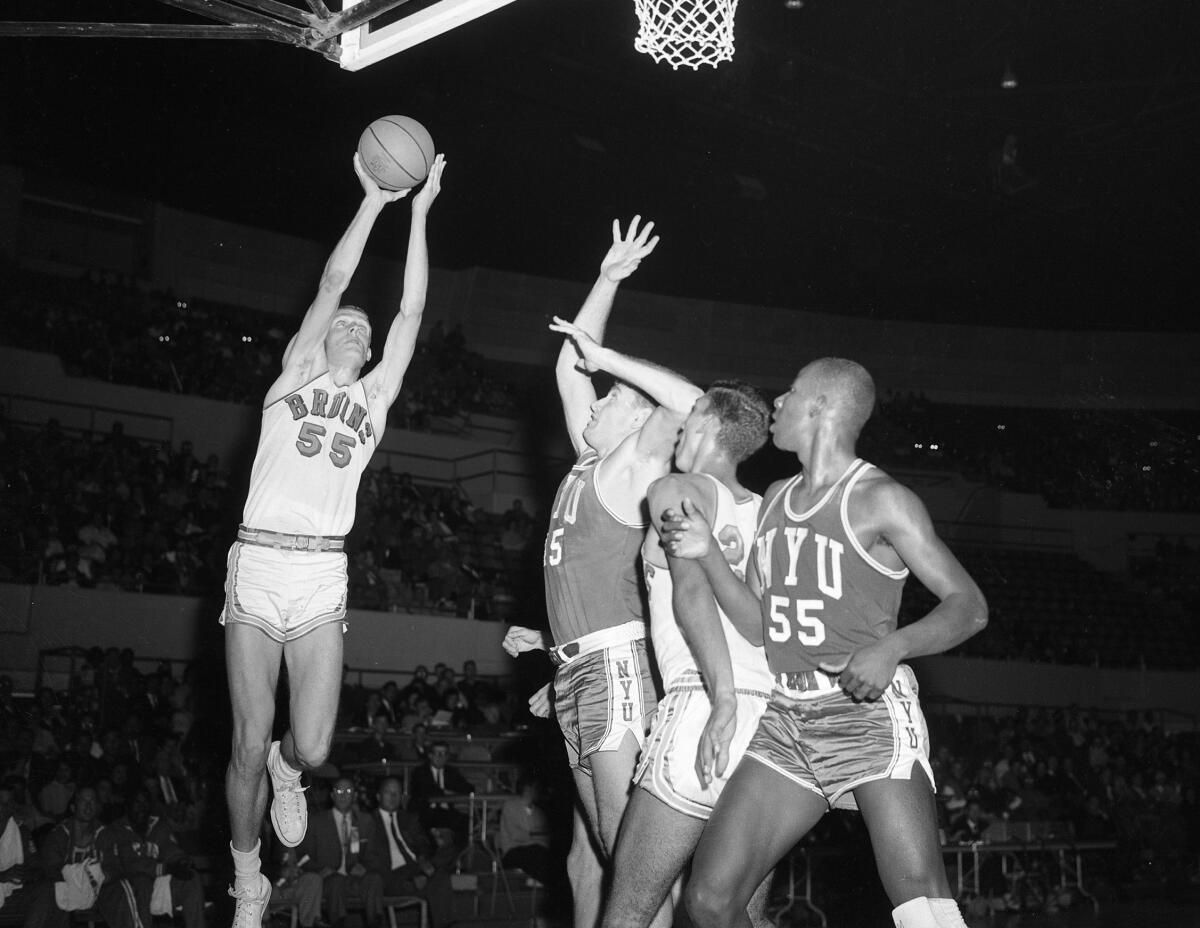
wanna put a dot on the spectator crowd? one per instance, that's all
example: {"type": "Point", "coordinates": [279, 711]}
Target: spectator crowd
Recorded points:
{"type": "Point", "coordinates": [113, 773]}
{"type": "Point", "coordinates": [117, 513]}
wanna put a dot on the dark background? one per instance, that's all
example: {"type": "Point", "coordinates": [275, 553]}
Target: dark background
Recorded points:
{"type": "Point", "coordinates": [845, 160]}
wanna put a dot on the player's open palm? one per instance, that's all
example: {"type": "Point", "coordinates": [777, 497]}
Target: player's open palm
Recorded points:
{"type": "Point", "coordinates": [433, 186]}
{"type": "Point", "coordinates": [712, 753]}
{"type": "Point", "coordinates": [627, 250]}
{"type": "Point", "coordinates": [371, 190]}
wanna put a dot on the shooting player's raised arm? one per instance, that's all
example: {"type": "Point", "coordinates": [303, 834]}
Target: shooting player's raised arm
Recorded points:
{"type": "Point", "coordinates": [574, 380]}
{"type": "Point", "coordinates": [383, 383]}
{"type": "Point", "coordinates": [306, 348]}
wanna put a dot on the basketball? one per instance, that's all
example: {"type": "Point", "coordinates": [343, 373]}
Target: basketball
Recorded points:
{"type": "Point", "coordinates": [396, 151]}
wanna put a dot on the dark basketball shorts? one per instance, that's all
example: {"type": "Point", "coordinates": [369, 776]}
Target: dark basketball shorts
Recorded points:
{"type": "Point", "coordinates": [284, 594]}
{"type": "Point", "coordinates": [830, 744]}
{"type": "Point", "coordinates": [601, 696]}
{"type": "Point", "coordinates": [668, 767]}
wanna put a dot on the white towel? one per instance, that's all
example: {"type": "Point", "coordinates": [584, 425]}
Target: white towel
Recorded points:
{"type": "Point", "coordinates": [160, 898]}
{"type": "Point", "coordinates": [79, 887]}
{"type": "Point", "coordinates": [12, 854]}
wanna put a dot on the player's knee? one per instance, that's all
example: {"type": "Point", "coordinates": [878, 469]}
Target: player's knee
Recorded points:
{"type": "Point", "coordinates": [707, 906]}
{"type": "Point", "coordinates": [311, 750]}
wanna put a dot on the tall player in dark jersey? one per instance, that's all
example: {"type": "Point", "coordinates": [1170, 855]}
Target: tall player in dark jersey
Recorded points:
{"type": "Point", "coordinates": [844, 726]}
{"type": "Point", "coordinates": [604, 695]}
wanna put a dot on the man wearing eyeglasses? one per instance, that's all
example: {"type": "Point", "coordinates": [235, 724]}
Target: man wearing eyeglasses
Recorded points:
{"type": "Point", "coordinates": [337, 844]}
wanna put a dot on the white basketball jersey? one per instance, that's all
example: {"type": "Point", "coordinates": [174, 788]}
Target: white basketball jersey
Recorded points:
{"type": "Point", "coordinates": [313, 448]}
{"type": "Point", "coordinates": [733, 528]}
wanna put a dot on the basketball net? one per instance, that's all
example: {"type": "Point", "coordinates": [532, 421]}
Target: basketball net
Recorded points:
{"type": "Point", "coordinates": [686, 32]}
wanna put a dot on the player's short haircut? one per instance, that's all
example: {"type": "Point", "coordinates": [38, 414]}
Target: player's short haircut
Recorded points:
{"type": "Point", "coordinates": [351, 308]}
{"type": "Point", "coordinates": [849, 388]}
{"type": "Point", "coordinates": [641, 399]}
{"type": "Point", "coordinates": [744, 414]}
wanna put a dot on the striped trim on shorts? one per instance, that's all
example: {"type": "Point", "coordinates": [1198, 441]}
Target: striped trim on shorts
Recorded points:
{"type": "Point", "coordinates": [284, 594]}
{"type": "Point", "coordinates": [668, 767]}
{"type": "Point", "coordinates": [600, 697]}
{"type": "Point", "coordinates": [831, 744]}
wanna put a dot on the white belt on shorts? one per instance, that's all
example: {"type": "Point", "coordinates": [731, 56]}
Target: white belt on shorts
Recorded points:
{"type": "Point", "coordinates": [807, 683]}
{"type": "Point", "coordinates": [284, 542]}
{"type": "Point", "coordinates": [596, 641]}
{"type": "Point", "coordinates": [692, 680]}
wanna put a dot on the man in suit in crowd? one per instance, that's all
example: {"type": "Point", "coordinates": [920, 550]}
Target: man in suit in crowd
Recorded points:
{"type": "Point", "coordinates": [406, 856]}
{"type": "Point", "coordinates": [171, 790]}
{"type": "Point", "coordinates": [376, 746]}
{"type": "Point", "coordinates": [337, 842]}
{"type": "Point", "coordinates": [437, 778]}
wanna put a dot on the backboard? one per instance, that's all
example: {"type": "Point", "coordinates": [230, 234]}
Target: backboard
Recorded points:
{"type": "Point", "coordinates": [385, 35]}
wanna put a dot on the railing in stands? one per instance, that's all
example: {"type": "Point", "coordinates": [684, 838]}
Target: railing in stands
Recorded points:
{"type": "Point", "coordinates": [1171, 720]}
{"type": "Point", "coordinates": [1026, 537]}
{"type": "Point", "coordinates": [80, 418]}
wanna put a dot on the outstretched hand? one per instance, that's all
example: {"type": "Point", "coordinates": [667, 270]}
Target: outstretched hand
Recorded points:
{"type": "Point", "coordinates": [433, 186]}
{"type": "Point", "coordinates": [685, 534]}
{"type": "Point", "coordinates": [539, 703]}
{"type": "Point", "coordinates": [587, 346]}
{"type": "Point", "coordinates": [712, 753]}
{"type": "Point", "coordinates": [627, 250]}
{"type": "Point", "coordinates": [520, 639]}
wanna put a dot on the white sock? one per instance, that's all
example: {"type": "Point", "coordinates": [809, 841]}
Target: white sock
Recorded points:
{"type": "Point", "coordinates": [283, 769]}
{"type": "Point", "coordinates": [947, 913]}
{"type": "Point", "coordinates": [916, 913]}
{"type": "Point", "coordinates": [246, 865]}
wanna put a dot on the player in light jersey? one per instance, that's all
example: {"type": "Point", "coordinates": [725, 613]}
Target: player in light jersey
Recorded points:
{"type": "Point", "coordinates": [604, 693]}
{"type": "Point", "coordinates": [844, 726]}
{"type": "Point", "coordinates": [694, 642]}
{"type": "Point", "coordinates": [286, 587]}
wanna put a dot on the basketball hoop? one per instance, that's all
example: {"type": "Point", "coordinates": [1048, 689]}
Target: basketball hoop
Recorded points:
{"type": "Point", "coordinates": [686, 32]}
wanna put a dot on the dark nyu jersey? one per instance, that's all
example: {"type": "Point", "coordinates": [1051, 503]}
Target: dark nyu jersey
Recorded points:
{"type": "Point", "coordinates": [591, 560]}
{"type": "Point", "coordinates": [823, 595]}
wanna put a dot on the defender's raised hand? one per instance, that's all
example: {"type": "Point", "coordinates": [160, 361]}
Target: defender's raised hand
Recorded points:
{"type": "Point", "coordinates": [586, 345]}
{"type": "Point", "coordinates": [627, 250]}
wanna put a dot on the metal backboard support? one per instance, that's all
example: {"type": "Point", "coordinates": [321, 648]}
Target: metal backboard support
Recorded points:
{"type": "Point", "coordinates": [359, 34]}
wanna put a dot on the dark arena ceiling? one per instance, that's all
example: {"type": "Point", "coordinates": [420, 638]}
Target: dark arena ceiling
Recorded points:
{"type": "Point", "coordinates": [858, 157]}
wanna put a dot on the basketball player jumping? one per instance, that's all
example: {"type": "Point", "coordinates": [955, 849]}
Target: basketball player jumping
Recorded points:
{"type": "Point", "coordinates": [286, 586]}
{"type": "Point", "coordinates": [844, 726]}
{"type": "Point", "coordinates": [694, 642]}
{"type": "Point", "coordinates": [604, 695]}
